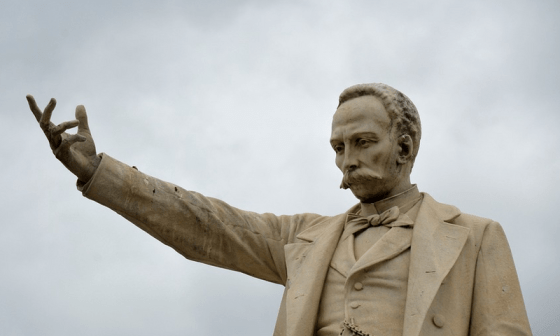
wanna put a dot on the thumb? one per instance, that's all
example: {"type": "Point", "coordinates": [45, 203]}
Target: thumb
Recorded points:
{"type": "Point", "coordinates": [81, 115]}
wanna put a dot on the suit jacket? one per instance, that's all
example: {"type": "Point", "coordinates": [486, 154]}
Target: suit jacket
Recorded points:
{"type": "Point", "coordinates": [462, 279]}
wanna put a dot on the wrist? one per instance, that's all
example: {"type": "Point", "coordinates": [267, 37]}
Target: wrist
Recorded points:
{"type": "Point", "coordinates": [90, 170]}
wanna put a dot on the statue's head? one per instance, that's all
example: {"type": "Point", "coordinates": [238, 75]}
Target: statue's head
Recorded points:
{"type": "Point", "coordinates": [376, 136]}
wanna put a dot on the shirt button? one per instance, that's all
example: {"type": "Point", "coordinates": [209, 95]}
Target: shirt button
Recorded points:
{"type": "Point", "coordinates": [358, 286]}
{"type": "Point", "coordinates": [354, 305]}
{"type": "Point", "coordinates": [438, 320]}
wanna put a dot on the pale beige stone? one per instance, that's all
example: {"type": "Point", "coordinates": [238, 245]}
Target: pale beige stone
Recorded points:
{"type": "Point", "coordinates": [455, 271]}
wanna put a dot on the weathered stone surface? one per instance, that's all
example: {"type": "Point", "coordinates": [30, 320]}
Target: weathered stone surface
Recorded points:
{"type": "Point", "coordinates": [397, 263]}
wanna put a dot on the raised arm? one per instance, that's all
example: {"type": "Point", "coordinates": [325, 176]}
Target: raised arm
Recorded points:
{"type": "Point", "coordinates": [75, 151]}
{"type": "Point", "coordinates": [200, 228]}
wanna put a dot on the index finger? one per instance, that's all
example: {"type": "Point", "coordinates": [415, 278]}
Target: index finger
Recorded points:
{"type": "Point", "coordinates": [34, 108]}
{"type": "Point", "coordinates": [46, 118]}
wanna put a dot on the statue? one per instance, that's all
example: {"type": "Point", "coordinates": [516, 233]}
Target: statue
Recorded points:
{"type": "Point", "coordinates": [397, 263]}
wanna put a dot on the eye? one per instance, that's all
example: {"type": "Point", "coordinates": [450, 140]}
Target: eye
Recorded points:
{"type": "Point", "coordinates": [363, 142]}
{"type": "Point", "coordinates": [338, 148]}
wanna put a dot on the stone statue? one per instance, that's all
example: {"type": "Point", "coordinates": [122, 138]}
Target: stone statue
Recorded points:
{"type": "Point", "coordinates": [397, 263]}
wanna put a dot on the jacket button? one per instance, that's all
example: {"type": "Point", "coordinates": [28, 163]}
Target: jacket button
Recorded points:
{"type": "Point", "coordinates": [438, 320]}
{"type": "Point", "coordinates": [358, 286]}
{"type": "Point", "coordinates": [354, 305]}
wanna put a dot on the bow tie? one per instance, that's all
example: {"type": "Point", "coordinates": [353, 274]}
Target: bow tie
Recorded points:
{"type": "Point", "coordinates": [389, 218]}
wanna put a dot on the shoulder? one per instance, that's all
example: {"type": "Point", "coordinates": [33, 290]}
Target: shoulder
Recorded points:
{"type": "Point", "coordinates": [312, 226]}
{"type": "Point", "coordinates": [478, 226]}
{"type": "Point", "coordinates": [472, 221]}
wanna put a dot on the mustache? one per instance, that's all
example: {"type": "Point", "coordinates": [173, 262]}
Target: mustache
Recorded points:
{"type": "Point", "coordinates": [358, 176]}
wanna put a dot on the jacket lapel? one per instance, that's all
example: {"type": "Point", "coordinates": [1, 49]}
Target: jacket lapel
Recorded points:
{"type": "Point", "coordinates": [391, 244]}
{"type": "Point", "coordinates": [307, 265]}
{"type": "Point", "coordinates": [436, 245]}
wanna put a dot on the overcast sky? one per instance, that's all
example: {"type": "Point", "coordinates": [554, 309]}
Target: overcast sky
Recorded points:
{"type": "Point", "coordinates": [234, 99]}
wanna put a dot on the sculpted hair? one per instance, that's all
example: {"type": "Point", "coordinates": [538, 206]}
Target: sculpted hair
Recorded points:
{"type": "Point", "coordinates": [404, 116]}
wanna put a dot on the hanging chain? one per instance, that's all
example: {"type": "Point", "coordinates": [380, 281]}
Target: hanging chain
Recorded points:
{"type": "Point", "coordinates": [353, 328]}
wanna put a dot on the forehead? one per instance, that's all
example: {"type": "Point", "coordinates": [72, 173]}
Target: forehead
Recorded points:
{"type": "Point", "coordinates": [361, 114]}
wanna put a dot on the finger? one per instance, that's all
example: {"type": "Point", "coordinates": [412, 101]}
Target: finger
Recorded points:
{"type": "Point", "coordinates": [64, 126]}
{"type": "Point", "coordinates": [69, 141]}
{"type": "Point", "coordinates": [81, 115]}
{"type": "Point", "coordinates": [34, 108]}
{"type": "Point", "coordinates": [46, 118]}
{"type": "Point", "coordinates": [66, 143]}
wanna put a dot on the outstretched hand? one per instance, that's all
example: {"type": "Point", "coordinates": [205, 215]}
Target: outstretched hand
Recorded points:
{"type": "Point", "coordinates": [75, 151]}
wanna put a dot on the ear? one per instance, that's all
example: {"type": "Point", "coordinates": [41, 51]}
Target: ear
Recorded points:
{"type": "Point", "coordinates": [406, 147]}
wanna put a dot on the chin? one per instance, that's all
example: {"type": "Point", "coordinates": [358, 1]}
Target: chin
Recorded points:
{"type": "Point", "coordinates": [368, 193]}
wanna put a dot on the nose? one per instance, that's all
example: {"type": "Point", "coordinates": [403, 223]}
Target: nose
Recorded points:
{"type": "Point", "coordinates": [350, 160]}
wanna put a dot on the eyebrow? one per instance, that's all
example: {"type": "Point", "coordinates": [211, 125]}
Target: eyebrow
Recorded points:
{"type": "Point", "coordinates": [367, 134]}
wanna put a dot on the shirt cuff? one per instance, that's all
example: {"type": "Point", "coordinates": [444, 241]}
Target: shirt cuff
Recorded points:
{"type": "Point", "coordinates": [82, 186]}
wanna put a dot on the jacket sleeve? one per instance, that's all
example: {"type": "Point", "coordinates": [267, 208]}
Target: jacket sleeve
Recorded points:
{"type": "Point", "coordinates": [498, 307]}
{"type": "Point", "coordinates": [200, 228]}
